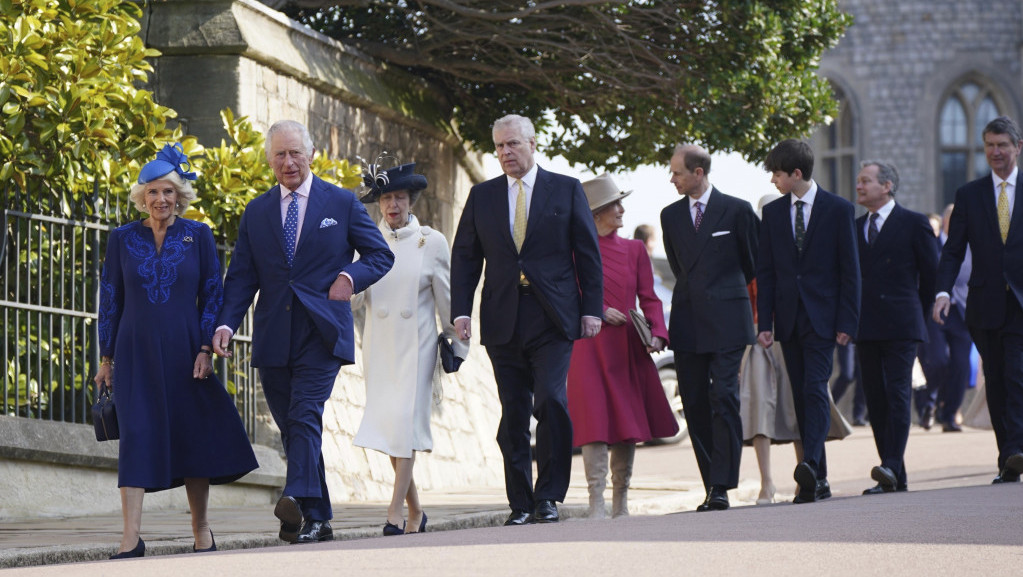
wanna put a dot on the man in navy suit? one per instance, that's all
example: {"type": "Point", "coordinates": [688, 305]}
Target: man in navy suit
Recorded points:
{"type": "Point", "coordinates": [985, 218]}
{"type": "Point", "coordinates": [295, 247]}
{"type": "Point", "coordinates": [542, 290]}
{"type": "Point", "coordinates": [710, 239]}
{"type": "Point", "coordinates": [808, 296]}
{"type": "Point", "coordinates": [898, 264]}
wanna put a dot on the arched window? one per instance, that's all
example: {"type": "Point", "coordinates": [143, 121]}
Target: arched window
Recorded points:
{"type": "Point", "coordinates": [835, 149]}
{"type": "Point", "coordinates": [963, 116]}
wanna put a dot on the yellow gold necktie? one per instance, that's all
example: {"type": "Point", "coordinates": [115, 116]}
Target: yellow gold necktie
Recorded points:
{"type": "Point", "coordinates": [1003, 211]}
{"type": "Point", "coordinates": [519, 226]}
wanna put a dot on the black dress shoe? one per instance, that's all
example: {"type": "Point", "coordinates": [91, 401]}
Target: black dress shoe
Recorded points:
{"type": "Point", "coordinates": [208, 550]}
{"type": "Point", "coordinates": [519, 518]}
{"type": "Point", "coordinates": [823, 490]}
{"type": "Point", "coordinates": [1005, 477]}
{"type": "Point", "coordinates": [390, 529]}
{"type": "Point", "coordinates": [861, 422]}
{"type": "Point", "coordinates": [290, 514]}
{"type": "Point", "coordinates": [138, 551]}
{"type": "Point", "coordinates": [927, 418]}
{"type": "Point", "coordinates": [875, 490]}
{"type": "Point", "coordinates": [546, 512]}
{"type": "Point", "coordinates": [807, 480]}
{"type": "Point", "coordinates": [315, 531]}
{"type": "Point", "coordinates": [952, 427]}
{"type": "Point", "coordinates": [884, 477]}
{"type": "Point", "coordinates": [717, 500]}
{"type": "Point", "coordinates": [1014, 464]}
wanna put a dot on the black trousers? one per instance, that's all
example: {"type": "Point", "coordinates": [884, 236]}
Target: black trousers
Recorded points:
{"type": "Point", "coordinates": [532, 380]}
{"type": "Point", "coordinates": [887, 370]}
{"type": "Point", "coordinates": [809, 358]}
{"type": "Point", "coordinates": [1001, 351]}
{"type": "Point", "coordinates": [709, 385]}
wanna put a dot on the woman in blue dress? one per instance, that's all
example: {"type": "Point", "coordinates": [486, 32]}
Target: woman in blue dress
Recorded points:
{"type": "Point", "coordinates": [160, 294]}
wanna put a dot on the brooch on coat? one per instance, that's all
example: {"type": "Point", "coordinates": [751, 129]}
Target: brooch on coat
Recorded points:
{"type": "Point", "coordinates": [422, 241]}
{"type": "Point", "coordinates": [187, 239]}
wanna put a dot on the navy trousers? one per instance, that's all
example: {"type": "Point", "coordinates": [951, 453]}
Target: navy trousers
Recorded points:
{"type": "Point", "coordinates": [296, 395]}
{"type": "Point", "coordinates": [1001, 351]}
{"type": "Point", "coordinates": [709, 385]}
{"type": "Point", "coordinates": [849, 374]}
{"type": "Point", "coordinates": [532, 379]}
{"type": "Point", "coordinates": [887, 371]}
{"type": "Point", "coordinates": [809, 358]}
{"type": "Point", "coordinates": [945, 360]}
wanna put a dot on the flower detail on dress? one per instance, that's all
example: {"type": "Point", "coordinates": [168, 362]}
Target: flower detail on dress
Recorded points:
{"type": "Point", "coordinates": [159, 271]}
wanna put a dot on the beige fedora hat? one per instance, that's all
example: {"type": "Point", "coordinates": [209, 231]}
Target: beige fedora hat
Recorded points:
{"type": "Point", "coordinates": [602, 191]}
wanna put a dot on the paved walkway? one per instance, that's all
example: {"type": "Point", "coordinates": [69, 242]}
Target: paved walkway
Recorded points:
{"type": "Point", "coordinates": [666, 480]}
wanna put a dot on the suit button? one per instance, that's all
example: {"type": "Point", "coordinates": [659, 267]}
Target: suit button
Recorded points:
{"type": "Point", "coordinates": [382, 312]}
{"type": "Point", "coordinates": [287, 307]}
{"type": "Point", "coordinates": [406, 313]}
{"type": "Point", "coordinates": [882, 297]}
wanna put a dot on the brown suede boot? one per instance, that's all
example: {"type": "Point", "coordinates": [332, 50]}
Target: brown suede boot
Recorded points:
{"type": "Point", "coordinates": [622, 455]}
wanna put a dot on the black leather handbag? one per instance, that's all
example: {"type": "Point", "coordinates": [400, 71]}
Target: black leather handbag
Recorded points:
{"type": "Point", "coordinates": [448, 361]}
{"type": "Point", "coordinates": [104, 416]}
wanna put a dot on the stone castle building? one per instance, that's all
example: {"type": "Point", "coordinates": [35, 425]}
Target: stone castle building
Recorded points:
{"type": "Point", "coordinates": [917, 81]}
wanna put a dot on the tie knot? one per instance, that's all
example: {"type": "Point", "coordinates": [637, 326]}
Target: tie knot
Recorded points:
{"type": "Point", "coordinates": [1004, 184]}
{"type": "Point", "coordinates": [800, 203]}
{"type": "Point", "coordinates": [518, 182]}
{"type": "Point", "coordinates": [874, 217]}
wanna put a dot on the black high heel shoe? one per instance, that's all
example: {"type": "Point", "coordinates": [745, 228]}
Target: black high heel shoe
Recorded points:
{"type": "Point", "coordinates": [390, 529]}
{"type": "Point", "coordinates": [138, 551]}
{"type": "Point", "coordinates": [209, 550]}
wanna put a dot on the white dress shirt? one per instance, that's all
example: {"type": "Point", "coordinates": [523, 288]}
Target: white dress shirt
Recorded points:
{"type": "Point", "coordinates": [513, 195]}
{"type": "Point", "coordinates": [882, 216]}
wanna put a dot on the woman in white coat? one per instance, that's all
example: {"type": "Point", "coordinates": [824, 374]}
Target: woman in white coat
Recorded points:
{"type": "Point", "coordinates": [399, 342]}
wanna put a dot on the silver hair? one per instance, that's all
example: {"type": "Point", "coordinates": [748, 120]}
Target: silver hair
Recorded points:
{"type": "Point", "coordinates": [521, 123]}
{"type": "Point", "coordinates": [186, 194]}
{"type": "Point", "coordinates": [289, 126]}
{"type": "Point", "coordinates": [886, 172]}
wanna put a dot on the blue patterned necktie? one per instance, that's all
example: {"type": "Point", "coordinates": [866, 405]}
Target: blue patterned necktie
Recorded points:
{"type": "Point", "coordinates": [291, 228]}
{"type": "Point", "coordinates": [699, 216]}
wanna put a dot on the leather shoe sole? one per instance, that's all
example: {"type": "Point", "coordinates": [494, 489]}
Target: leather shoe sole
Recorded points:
{"type": "Point", "coordinates": [807, 481]}
{"type": "Point", "coordinates": [884, 477]}
{"type": "Point", "coordinates": [1015, 464]}
{"type": "Point", "coordinates": [289, 513]}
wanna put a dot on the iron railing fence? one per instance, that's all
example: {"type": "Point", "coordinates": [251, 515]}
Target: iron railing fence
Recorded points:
{"type": "Point", "coordinates": [51, 257]}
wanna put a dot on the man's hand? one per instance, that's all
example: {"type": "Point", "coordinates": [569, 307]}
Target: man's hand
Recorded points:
{"type": "Point", "coordinates": [766, 339]}
{"type": "Point", "coordinates": [463, 328]}
{"type": "Point", "coordinates": [941, 308]}
{"type": "Point", "coordinates": [341, 289]}
{"type": "Point", "coordinates": [221, 340]}
{"type": "Point", "coordinates": [614, 317]}
{"type": "Point", "coordinates": [589, 327]}
{"type": "Point", "coordinates": [842, 338]}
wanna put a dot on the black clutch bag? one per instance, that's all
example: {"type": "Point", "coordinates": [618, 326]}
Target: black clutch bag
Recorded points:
{"type": "Point", "coordinates": [104, 416]}
{"type": "Point", "coordinates": [448, 361]}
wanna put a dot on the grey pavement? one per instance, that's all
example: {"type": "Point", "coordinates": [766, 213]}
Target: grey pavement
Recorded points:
{"type": "Point", "coordinates": [943, 467]}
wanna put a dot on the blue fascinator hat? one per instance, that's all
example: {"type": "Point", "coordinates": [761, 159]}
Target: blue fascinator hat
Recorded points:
{"type": "Point", "coordinates": [380, 181]}
{"type": "Point", "coordinates": [167, 160]}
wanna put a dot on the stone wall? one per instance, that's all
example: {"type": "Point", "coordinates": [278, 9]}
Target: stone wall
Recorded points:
{"type": "Point", "coordinates": [242, 55]}
{"type": "Point", "coordinates": [898, 62]}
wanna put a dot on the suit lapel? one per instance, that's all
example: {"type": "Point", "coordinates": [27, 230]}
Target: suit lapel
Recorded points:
{"type": "Point", "coordinates": [541, 197]}
{"type": "Point", "coordinates": [498, 195]}
{"type": "Point", "coordinates": [821, 204]}
{"type": "Point", "coordinates": [274, 224]}
{"type": "Point", "coordinates": [866, 251]}
{"type": "Point", "coordinates": [987, 200]}
{"type": "Point", "coordinates": [1016, 220]}
{"type": "Point", "coordinates": [711, 217]}
{"type": "Point", "coordinates": [313, 213]}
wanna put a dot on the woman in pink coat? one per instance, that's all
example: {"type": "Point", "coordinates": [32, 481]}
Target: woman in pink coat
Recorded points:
{"type": "Point", "coordinates": [615, 397]}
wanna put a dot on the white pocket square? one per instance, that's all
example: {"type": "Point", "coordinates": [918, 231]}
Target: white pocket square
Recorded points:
{"type": "Point", "coordinates": [721, 233]}
{"type": "Point", "coordinates": [327, 222]}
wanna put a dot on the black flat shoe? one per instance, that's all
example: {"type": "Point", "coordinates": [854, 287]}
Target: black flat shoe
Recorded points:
{"type": "Point", "coordinates": [138, 551]}
{"type": "Point", "coordinates": [209, 550]}
{"type": "Point", "coordinates": [390, 529]}
{"type": "Point", "coordinates": [422, 526]}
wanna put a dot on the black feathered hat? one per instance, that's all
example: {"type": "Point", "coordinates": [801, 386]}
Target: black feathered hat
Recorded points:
{"type": "Point", "coordinates": [380, 181]}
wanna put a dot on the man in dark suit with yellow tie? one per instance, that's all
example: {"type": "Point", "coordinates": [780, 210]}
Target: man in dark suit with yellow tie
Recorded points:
{"type": "Point", "coordinates": [710, 240]}
{"type": "Point", "coordinates": [808, 296]}
{"type": "Point", "coordinates": [897, 264]}
{"type": "Point", "coordinates": [542, 290]}
{"type": "Point", "coordinates": [986, 219]}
